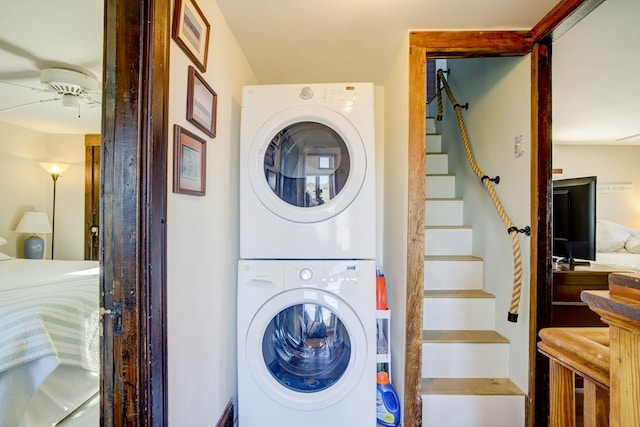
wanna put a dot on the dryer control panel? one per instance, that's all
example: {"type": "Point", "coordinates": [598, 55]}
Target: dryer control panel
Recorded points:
{"type": "Point", "coordinates": [328, 94]}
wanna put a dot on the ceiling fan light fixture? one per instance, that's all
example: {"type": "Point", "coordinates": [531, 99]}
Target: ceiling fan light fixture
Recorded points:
{"type": "Point", "coordinates": [67, 82]}
{"type": "Point", "coordinates": [70, 101]}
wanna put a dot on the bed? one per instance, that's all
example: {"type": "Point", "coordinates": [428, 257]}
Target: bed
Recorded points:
{"type": "Point", "coordinates": [49, 339]}
{"type": "Point", "coordinates": [617, 245]}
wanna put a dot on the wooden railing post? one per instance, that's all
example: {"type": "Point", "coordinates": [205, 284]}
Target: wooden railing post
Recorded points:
{"type": "Point", "coordinates": [596, 405]}
{"type": "Point", "coordinates": [562, 395]}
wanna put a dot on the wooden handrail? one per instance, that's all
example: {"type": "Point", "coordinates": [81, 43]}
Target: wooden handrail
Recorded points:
{"type": "Point", "coordinates": [608, 359]}
{"type": "Point", "coordinates": [581, 351]}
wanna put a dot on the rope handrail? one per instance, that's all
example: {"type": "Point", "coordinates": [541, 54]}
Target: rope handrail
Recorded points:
{"type": "Point", "coordinates": [488, 183]}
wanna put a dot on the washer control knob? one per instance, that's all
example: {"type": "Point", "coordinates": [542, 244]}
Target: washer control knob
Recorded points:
{"type": "Point", "coordinates": [306, 274]}
{"type": "Point", "coordinates": [306, 93]}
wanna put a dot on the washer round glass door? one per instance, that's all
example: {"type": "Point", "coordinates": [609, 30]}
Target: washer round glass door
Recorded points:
{"type": "Point", "coordinates": [309, 348]}
{"type": "Point", "coordinates": [307, 164]}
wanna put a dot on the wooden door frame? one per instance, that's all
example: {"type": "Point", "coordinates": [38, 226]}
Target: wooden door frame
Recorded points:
{"type": "Point", "coordinates": [91, 195]}
{"type": "Point", "coordinates": [470, 44]}
{"type": "Point", "coordinates": [133, 388]}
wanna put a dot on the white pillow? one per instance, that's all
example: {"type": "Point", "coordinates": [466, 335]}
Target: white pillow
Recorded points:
{"type": "Point", "coordinates": [3, 241]}
{"type": "Point", "coordinates": [633, 244]}
{"type": "Point", "coordinates": [610, 237]}
{"type": "Point", "coordinates": [4, 257]}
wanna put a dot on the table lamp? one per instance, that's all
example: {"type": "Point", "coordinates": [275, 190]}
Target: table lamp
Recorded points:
{"type": "Point", "coordinates": [34, 223]}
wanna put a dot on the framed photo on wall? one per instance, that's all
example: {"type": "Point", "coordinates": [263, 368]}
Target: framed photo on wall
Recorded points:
{"type": "Point", "coordinates": [202, 103]}
{"type": "Point", "coordinates": [191, 30]}
{"type": "Point", "coordinates": [189, 162]}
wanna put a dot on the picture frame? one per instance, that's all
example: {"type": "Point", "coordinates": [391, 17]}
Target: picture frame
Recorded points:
{"type": "Point", "coordinates": [202, 103]}
{"type": "Point", "coordinates": [189, 162]}
{"type": "Point", "coordinates": [191, 31]}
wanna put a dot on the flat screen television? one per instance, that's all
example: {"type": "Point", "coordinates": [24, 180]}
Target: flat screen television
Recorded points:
{"type": "Point", "coordinates": [574, 220]}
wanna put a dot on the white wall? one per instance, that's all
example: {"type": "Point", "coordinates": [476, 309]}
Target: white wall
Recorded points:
{"type": "Point", "coordinates": [611, 164]}
{"type": "Point", "coordinates": [498, 92]}
{"type": "Point", "coordinates": [379, 104]}
{"type": "Point", "coordinates": [27, 186]}
{"type": "Point", "coordinates": [202, 234]}
{"type": "Point", "coordinates": [396, 159]}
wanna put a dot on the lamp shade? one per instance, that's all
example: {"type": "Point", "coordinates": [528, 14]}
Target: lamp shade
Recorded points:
{"type": "Point", "coordinates": [55, 168]}
{"type": "Point", "coordinates": [34, 222]}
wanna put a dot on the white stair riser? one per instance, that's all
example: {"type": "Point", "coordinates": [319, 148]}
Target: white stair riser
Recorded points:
{"type": "Point", "coordinates": [453, 275]}
{"type": "Point", "coordinates": [437, 163]}
{"type": "Point", "coordinates": [444, 212]}
{"type": "Point", "coordinates": [433, 143]}
{"type": "Point", "coordinates": [448, 241]}
{"type": "Point", "coordinates": [472, 411]}
{"type": "Point", "coordinates": [458, 313]}
{"type": "Point", "coordinates": [458, 360]}
{"type": "Point", "coordinates": [430, 124]}
{"type": "Point", "coordinates": [465, 360]}
{"type": "Point", "coordinates": [440, 186]}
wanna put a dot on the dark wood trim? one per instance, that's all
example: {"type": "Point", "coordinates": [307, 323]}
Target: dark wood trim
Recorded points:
{"type": "Point", "coordinates": [92, 140]}
{"type": "Point", "coordinates": [153, 263]}
{"type": "Point", "coordinates": [91, 195]}
{"type": "Point", "coordinates": [562, 17]}
{"type": "Point", "coordinates": [133, 212]}
{"type": "Point", "coordinates": [472, 44]}
{"type": "Point", "coordinates": [566, 14]}
{"type": "Point", "coordinates": [415, 237]}
{"type": "Point", "coordinates": [226, 420]}
{"type": "Point", "coordinates": [540, 290]}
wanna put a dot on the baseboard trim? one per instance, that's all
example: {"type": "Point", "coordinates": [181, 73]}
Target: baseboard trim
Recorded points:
{"type": "Point", "coordinates": [226, 420]}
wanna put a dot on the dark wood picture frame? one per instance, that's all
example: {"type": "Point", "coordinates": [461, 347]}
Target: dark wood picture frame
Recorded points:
{"type": "Point", "coordinates": [191, 31]}
{"type": "Point", "coordinates": [189, 162]}
{"type": "Point", "coordinates": [202, 103]}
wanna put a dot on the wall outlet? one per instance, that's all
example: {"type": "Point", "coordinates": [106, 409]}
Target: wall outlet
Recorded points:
{"type": "Point", "coordinates": [518, 147]}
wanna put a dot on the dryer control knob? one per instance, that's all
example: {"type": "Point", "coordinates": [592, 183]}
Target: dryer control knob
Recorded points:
{"type": "Point", "coordinates": [306, 274]}
{"type": "Point", "coordinates": [306, 93]}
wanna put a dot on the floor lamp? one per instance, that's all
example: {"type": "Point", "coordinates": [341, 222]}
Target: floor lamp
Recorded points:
{"type": "Point", "coordinates": [55, 170]}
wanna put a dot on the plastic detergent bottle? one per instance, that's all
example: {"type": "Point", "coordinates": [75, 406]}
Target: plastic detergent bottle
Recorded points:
{"type": "Point", "coordinates": [381, 291]}
{"type": "Point", "coordinates": [387, 404]}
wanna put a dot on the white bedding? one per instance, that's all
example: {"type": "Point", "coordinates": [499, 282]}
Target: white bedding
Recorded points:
{"type": "Point", "coordinates": [617, 245]}
{"type": "Point", "coordinates": [48, 339]}
{"type": "Point", "coordinates": [621, 260]}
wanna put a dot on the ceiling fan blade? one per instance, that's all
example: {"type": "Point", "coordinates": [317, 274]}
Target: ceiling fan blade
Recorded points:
{"type": "Point", "coordinates": [37, 89]}
{"type": "Point", "coordinates": [19, 75]}
{"type": "Point", "coordinates": [42, 101]}
{"type": "Point", "coordinates": [88, 99]}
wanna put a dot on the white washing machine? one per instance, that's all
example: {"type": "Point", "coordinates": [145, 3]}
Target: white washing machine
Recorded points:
{"type": "Point", "coordinates": [306, 343]}
{"type": "Point", "coordinates": [307, 181]}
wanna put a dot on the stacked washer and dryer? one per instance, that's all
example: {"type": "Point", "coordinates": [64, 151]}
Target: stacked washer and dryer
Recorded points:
{"type": "Point", "coordinates": [306, 277]}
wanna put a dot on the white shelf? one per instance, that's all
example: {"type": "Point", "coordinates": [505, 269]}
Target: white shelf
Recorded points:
{"type": "Point", "coordinates": [383, 326]}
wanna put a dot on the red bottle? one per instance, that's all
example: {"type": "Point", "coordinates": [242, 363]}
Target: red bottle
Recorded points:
{"type": "Point", "coordinates": [381, 291]}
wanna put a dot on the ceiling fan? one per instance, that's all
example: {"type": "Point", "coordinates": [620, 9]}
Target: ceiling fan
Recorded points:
{"type": "Point", "coordinates": [71, 87]}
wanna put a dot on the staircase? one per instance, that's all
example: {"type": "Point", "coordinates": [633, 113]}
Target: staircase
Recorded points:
{"type": "Point", "coordinates": [465, 362]}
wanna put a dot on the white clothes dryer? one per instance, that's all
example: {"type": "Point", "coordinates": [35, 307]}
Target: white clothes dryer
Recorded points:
{"type": "Point", "coordinates": [306, 343]}
{"type": "Point", "coordinates": [307, 181]}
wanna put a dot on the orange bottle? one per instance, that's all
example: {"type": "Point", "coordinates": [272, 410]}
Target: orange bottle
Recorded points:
{"type": "Point", "coordinates": [381, 291]}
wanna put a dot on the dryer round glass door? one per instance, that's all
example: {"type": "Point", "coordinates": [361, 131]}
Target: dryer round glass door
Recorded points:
{"type": "Point", "coordinates": [307, 164]}
{"type": "Point", "coordinates": [306, 348]}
